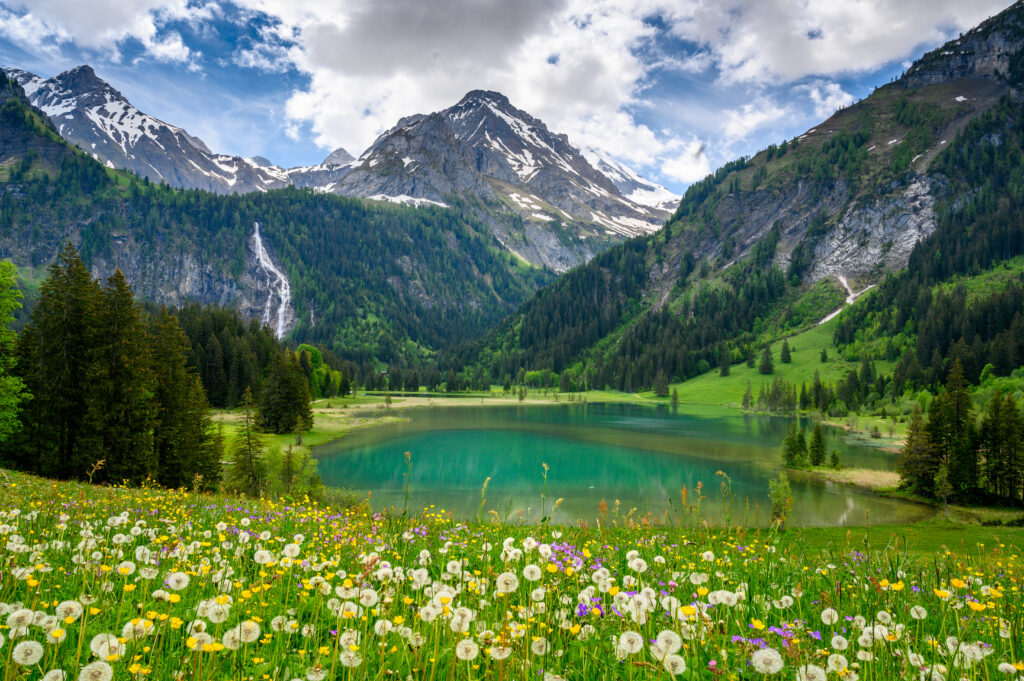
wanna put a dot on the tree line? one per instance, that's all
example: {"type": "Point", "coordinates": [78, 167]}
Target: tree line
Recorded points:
{"type": "Point", "coordinates": [951, 454]}
{"type": "Point", "coordinates": [109, 391]}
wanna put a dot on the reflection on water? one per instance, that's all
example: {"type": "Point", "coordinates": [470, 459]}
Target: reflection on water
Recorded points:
{"type": "Point", "coordinates": [634, 456]}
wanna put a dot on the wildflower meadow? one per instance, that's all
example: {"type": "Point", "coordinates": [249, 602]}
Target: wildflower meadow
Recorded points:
{"type": "Point", "coordinates": [112, 583]}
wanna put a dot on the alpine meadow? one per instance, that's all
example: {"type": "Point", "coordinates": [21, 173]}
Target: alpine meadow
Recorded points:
{"type": "Point", "coordinates": [643, 340]}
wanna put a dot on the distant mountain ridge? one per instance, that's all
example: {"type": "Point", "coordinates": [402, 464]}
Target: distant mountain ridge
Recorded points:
{"type": "Point", "coordinates": [97, 118]}
{"type": "Point", "coordinates": [543, 198]}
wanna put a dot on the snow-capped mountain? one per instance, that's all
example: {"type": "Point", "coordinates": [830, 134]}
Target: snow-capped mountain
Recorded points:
{"type": "Point", "coordinates": [635, 188]}
{"type": "Point", "coordinates": [484, 148]}
{"type": "Point", "coordinates": [545, 199]}
{"type": "Point", "coordinates": [90, 113]}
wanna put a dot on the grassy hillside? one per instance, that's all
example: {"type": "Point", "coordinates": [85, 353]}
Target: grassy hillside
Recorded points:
{"type": "Point", "coordinates": [202, 586]}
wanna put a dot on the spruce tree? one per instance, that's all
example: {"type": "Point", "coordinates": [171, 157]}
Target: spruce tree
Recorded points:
{"type": "Point", "coordinates": [817, 447]}
{"type": "Point", "coordinates": [919, 461]}
{"type": "Point", "coordinates": [723, 361]}
{"type": "Point", "coordinates": [247, 472]}
{"type": "Point", "coordinates": [824, 355]}
{"type": "Point", "coordinates": [119, 403]}
{"type": "Point", "coordinates": [284, 401]}
{"type": "Point", "coordinates": [767, 365]}
{"type": "Point", "coordinates": [784, 356]}
{"type": "Point", "coordinates": [661, 384]}
{"type": "Point", "coordinates": [183, 440]}
{"type": "Point", "coordinates": [53, 359]}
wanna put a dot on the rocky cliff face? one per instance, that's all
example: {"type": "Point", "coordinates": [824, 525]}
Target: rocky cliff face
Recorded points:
{"type": "Point", "coordinates": [984, 51]}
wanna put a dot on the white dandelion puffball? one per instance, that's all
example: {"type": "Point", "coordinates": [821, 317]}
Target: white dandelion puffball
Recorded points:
{"type": "Point", "coordinates": [350, 658]}
{"type": "Point", "coordinates": [532, 573]}
{"type": "Point", "coordinates": [766, 661]}
{"type": "Point", "coordinates": [27, 653]}
{"type": "Point", "coordinates": [506, 583]}
{"type": "Point", "coordinates": [316, 673]}
{"type": "Point", "coordinates": [810, 672]}
{"type": "Point", "coordinates": [96, 671]}
{"type": "Point", "coordinates": [177, 581]}
{"type": "Point", "coordinates": [539, 646]}
{"type": "Point", "coordinates": [466, 650]}
{"type": "Point", "coordinates": [829, 616]}
{"type": "Point", "coordinates": [630, 642]}
{"type": "Point", "coordinates": [249, 631]}
{"type": "Point", "coordinates": [918, 613]}
{"type": "Point", "coordinates": [500, 652]}
{"type": "Point", "coordinates": [674, 664]}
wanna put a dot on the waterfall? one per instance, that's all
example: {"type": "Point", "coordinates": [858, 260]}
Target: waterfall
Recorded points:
{"type": "Point", "coordinates": [279, 285]}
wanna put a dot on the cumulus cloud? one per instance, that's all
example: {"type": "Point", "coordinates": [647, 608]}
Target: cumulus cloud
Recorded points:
{"type": "Point", "coordinates": [738, 124]}
{"type": "Point", "coordinates": [827, 97]}
{"type": "Point", "coordinates": [102, 25]}
{"type": "Point", "coordinates": [785, 40]}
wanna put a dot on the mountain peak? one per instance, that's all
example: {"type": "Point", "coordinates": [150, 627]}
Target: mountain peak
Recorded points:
{"type": "Point", "coordinates": [82, 79]}
{"type": "Point", "coordinates": [338, 157]}
{"type": "Point", "coordinates": [485, 95]}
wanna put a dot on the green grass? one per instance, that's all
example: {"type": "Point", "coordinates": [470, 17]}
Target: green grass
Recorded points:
{"type": "Point", "coordinates": [805, 348]}
{"type": "Point", "coordinates": [180, 585]}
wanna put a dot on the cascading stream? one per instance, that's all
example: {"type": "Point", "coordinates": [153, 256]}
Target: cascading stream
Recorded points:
{"type": "Point", "coordinates": [279, 284]}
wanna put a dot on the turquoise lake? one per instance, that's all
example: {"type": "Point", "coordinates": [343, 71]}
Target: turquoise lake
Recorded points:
{"type": "Point", "coordinates": [631, 457]}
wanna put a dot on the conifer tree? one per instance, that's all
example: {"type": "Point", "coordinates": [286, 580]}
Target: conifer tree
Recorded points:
{"type": "Point", "coordinates": [919, 462]}
{"type": "Point", "coordinates": [183, 441]}
{"type": "Point", "coordinates": [767, 365]}
{"type": "Point", "coordinates": [53, 360]}
{"type": "Point", "coordinates": [284, 402]}
{"type": "Point", "coordinates": [119, 404]}
{"type": "Point", "coordinates": [784, 356]}
{"type": "Point", "coordinates": [661, 384]}
{"type": "Point", "coordinates": [816, 449]}
{"type": "Point", "coordinates": [247, 473]}
{"type": "Point", "coordinates": [723, 361]}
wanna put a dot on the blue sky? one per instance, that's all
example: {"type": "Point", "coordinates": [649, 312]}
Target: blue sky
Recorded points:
{"type": "Point", "coordinates": [673, 88]}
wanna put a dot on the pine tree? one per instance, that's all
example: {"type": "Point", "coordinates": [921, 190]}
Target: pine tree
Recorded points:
{"type": "Point", "coordinates": [950, 425]}
{"type": "Point", "coordinates": [784, 356]}
{"type": "Point", "coordinates": [747, 396]}
{"type": "Point", "coordinates": [12, 387]}
{"type": "Point", "coordinates": [119, 403]}
{"type": "Point", "coordinates": [824, 355]}
{"type": "Point", "coordinates": [284, 401]}
{"type": "Point", "coordinates": [816, 449]}
{"type": "Point", "coordinates": [767, 365]}
{"type": "Point", "coordinates": [723, 361]}
{"type": "Point", "coordinates": [794, 447]}
{"type": "Point", "coordinates": [52, 362]}
{"type": "Point", "coordinates": [919, 462]}
{"type": "Point", "coordinates": [247, 473]}
{"type": "Point", "coordinates": [661, 384]}
{"type": "Point", "coordinates": [182, 429]}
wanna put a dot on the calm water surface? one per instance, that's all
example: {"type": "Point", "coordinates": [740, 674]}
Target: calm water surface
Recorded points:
{"type": "Point", "coordinates": [637, 455]}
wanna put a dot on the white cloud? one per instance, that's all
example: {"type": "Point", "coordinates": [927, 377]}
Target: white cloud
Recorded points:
{"type": "Point", "coordinates": [828, 97]}
{"type": "Point", "coordinates": [689, 165]}
{"type": "Point", "coordinates": [784, 40]}
{"type": "Point", "coordinates": [101, 25]}
{"type": "Point", "coordinates": [738, 124]}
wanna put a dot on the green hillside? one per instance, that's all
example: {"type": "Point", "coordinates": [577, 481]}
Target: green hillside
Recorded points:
{"type": "Point", "coordinates": [372, 282]}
